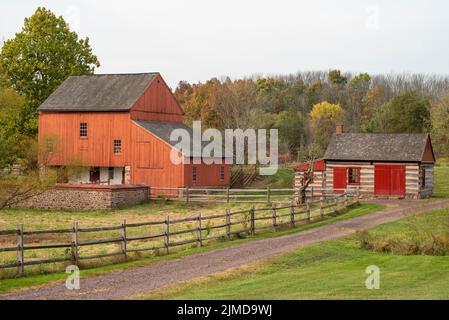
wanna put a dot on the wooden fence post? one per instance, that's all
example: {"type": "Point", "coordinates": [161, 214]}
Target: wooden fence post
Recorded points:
{"type": "Point", "coordinates": [274, 217]}
{"type": "Point", "coordinates": [228, 224]}
{"type": "Point", "coordinates": [199, 231]}
{"type": "Point", "coordinates": [346, 200]}
{"type": "Point", "coordinates": [321, 207]}
{"type": "Point", "coordinates": [167, 234]}
{"type": "Point", "coordinates": [292, 216]}
{"type": "Point", "coordinates": [187, 195]}
{"type": "Point", "coordinates": [149, 192]}
{"type": "Point", "coordinates": [20, 254]}
{"type": "Point", "coordinates": [268, 195]}
{"type": "Point", "coordinates": [227, 194]}
{"type": "Point", "coordinates": [311, 189]}
{"type": "Point", "coordinates": [124, 238]}
{"type": "Point", "coordinates": [75, 242]}
{"type": "Point", "coordinates": [253, 224]}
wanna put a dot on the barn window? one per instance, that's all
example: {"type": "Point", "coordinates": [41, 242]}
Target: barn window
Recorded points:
{"type": "Point", "coordinates": [83, 130]}
{"type": "Point", "coordinates": [222, 173]}
{"type": "Point", "coordinates": [194, 176]}
{"type": "Point", "coordinates": [353, 175]}
{"type": "Point", "coordinates": [117, 146]}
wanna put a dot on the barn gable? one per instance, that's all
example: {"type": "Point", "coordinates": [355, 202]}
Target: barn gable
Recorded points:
{"type": "Point", "coordinates": [380, 147]}
{"type": "Point", "coordinates": [157, 103]}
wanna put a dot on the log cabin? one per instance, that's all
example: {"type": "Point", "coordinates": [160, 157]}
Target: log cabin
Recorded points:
{"type": "Point", "coordinates": [375, 165]}
{"type": "Point", "coordinates": [116, 129]}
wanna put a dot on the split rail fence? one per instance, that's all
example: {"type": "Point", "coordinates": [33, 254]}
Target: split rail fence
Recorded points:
{"type": "Point", "coordinates": [231, 195]}
{"type": "Point", "coordinates": [139, 237]}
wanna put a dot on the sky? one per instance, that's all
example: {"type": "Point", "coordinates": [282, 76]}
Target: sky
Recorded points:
{"type": "Point", "coordinates": [199, 39]}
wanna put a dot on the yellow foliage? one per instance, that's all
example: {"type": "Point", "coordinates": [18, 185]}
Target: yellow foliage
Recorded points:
{"type": "Point", "coordinates": [327, 110]}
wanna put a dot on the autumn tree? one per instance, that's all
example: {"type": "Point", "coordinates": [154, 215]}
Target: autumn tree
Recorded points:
{"type": "Point", "coordinates": [336, 78]}
{"type": "Point", "coordinates": [292, 126]}
{"type": "Point", "coordinates": [324, 117]}
{"type": "Point", "coordinates": [407, 113]}
{"type": "Point", "coordinates": [440, 124]}
{"type": "Point", "coordinates": [39, 58]}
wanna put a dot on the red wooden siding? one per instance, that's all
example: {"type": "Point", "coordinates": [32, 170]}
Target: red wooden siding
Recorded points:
{"type": "Point", "coordinates": [389, 180]}
{"type": "Point", "coordinates": [95, 150]}
{"type": "Point", "coordinates": [428, 155]}
{"type": "Point", "coordinates": [207, 175]}
{"type": "Point", "coordinates": [157, 104]}
{"type": "Point", "coordinates": [340, 179]}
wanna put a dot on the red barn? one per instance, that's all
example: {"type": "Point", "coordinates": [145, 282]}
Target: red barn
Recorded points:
{"type": "Point", "coordinates": [117, 128]}
{"type": "Point", "coordinates": [382, 165]}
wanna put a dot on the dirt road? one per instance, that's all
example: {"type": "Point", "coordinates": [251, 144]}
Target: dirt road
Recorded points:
{"type": "Point", "coordinates": [140, 280]}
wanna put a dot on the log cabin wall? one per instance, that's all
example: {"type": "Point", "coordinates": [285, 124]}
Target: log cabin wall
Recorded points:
{"type": "Point", "coordinates": [314, 189]}
{"type": "Point", "coordinates": [427, 188]}
{"type": "Point", "coordinates": [367, 183]}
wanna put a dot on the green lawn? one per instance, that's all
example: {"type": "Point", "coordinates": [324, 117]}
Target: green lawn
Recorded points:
{"type": "Point", "coordinates": [441, 182]}
{"type": "Point", "coordinates": [9, 284]}
{"type": "Point", "coordinates": [333, 270]}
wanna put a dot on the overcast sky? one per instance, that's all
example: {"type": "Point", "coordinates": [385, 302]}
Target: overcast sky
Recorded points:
{"type": "Point", "coordinates": [199, 39]}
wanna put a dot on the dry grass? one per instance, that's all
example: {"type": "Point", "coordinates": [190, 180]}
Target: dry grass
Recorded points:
{"type": "Point", "coordinates": [151, 211]}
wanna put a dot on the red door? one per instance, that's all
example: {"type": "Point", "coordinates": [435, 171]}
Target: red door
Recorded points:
{"type": "Point", "coordinates": [339, 180]}
{"type": "Point", "coordinates": [389, 180]}
{"type": "Point", "coordinates": [382, 180]}
{"type": "Point", "coordinates": [397, 186]}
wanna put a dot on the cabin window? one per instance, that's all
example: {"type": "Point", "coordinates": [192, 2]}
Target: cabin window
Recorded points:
{"type": "Point", "coordinates": [423, 178]}
{"type": "Point", "coordinates": [83, 130]}
{"type": "Point", "coordinates": [222, 173]}
{"type": "Point", "coordinates": [117, 146]}
{"type": "Point", "coordinates": [194, 174]}
{"type": "Point", "coordinates": [354, 176]}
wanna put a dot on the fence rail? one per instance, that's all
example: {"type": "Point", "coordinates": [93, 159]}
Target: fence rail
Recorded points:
{"type": "Point", "coordinates": [227, 224]}
{"type": "Point", "coordinates": [228, 195]}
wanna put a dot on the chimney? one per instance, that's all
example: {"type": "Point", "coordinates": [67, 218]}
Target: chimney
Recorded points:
{"type": "Point", "coordinates": [339, 129]}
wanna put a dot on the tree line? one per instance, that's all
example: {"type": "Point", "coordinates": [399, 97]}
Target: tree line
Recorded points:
{"type": "Point", "coordinates": [307, 106]}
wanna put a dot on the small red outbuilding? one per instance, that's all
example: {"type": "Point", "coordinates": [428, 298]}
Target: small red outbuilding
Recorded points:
{"type": "Point", "coordinates": [385, 165]}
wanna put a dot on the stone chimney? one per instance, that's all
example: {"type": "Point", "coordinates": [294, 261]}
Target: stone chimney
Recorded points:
{"type": "Point", "coordinates": [339, 129]}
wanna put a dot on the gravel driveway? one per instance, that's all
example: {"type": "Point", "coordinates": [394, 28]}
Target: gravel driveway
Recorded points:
{"type": "Point", "coordinates": [140, 280]}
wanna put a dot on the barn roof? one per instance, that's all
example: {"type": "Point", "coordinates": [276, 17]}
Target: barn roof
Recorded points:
{"type": "Point", "coordinates": [101, 92]}
{"type": "Point", "coordinates": [163, 131]}
{"type": "Point", "coordinates": [403, 147]}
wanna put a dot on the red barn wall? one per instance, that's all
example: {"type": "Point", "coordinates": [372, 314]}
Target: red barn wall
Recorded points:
{"type": "Point", "coordinates": [157, 104]}
{"type": "Point", "coordinates": [97, 148]}
{"type": "Point", "coordinates": [207, 175]}
{"type": "Point", "coordinates": [151, 163]}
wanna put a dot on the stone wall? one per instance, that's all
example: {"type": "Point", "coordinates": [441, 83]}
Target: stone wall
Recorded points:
{"type": "Point", "coordinates": [88, 197]}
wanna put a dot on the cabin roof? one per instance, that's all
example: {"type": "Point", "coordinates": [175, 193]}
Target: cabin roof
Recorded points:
{"type": "Point", "coordinates": [163, 131]}
{"type": "Point", "coordinates": [101, 92]}
{"type": "Point", "coordinates": [403, 147]}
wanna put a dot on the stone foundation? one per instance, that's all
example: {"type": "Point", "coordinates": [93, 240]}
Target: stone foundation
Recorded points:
{"type": "Point", "coordinates": [88, 197]}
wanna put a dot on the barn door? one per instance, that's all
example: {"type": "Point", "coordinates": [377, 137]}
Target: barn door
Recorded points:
{"type": "Point", "coordinates": [397, 186]}
{"type": "Point", "coordinates": [389, 180]}
{"type": "Point", "coordinates": [340, 180]}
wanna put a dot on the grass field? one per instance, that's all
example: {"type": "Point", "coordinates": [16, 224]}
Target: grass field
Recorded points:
{"type": "Point", "coordinates": [44, 276]}
{"type": "Point", "coordinates": [441, 182]}
{"type": "Point", "coordinates": [332, 270]}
